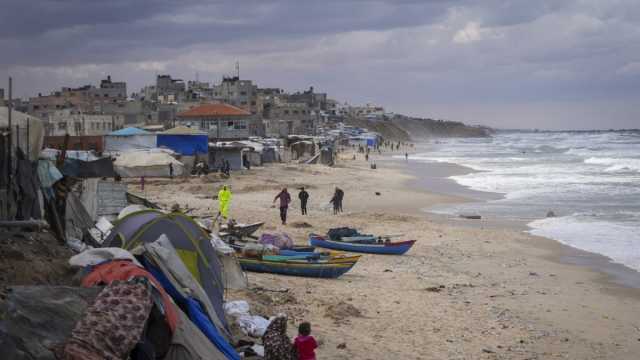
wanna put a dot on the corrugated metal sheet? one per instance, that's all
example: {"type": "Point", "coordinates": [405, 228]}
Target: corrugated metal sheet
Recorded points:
{"type": "Point", "coordinates": [112, 197]}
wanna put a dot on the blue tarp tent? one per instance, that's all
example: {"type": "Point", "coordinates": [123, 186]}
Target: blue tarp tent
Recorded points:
{"type": "Point", "coordinates": [184, 141]}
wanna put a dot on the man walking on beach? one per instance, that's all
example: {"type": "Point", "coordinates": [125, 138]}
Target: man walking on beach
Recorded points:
{"type": "Point", "coordinates": [285, 199]}
{"type": "Point", "coordinates": [170, 170]}
{"type": "Point", "coordinates": [303, 196]}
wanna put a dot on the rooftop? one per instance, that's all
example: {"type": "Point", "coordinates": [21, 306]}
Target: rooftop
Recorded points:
{"type": "Point", "coordinates": [214, 110]}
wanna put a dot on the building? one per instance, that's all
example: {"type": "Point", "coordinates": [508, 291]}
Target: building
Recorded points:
{"type": "Point", "coordinates": [220, 121]}
{"type": "Point", "coordinates": [236, 92]}
{"type": "Point", "coordinates": [77, 123]}
{"type": "Point", "coordinates": [169, 90]}
{"type": "Point", "coordinates": [283, 119]}
{"type": "Point", "coordinates": [87, 143]}
{"type": "Point", "coordinates": [315, 101]}
{"type": "Point", "coordinates": [88, 98]}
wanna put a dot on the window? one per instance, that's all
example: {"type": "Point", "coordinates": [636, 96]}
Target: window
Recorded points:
{"type": "Point", "coordinates": [286, 112]}
{"type": "Point", "coordinates": [253, 103]}
{"type": "Point", "coordinates": [62, 125]}
{"type": "Point", "coordinates": [243, 103]}
{"type": "Point", "coordinates": [77, 127]}
{"type": "Point", "coordinates": [243, 93]}
{"type": "Point", "coordinates": [230, 125]}
{"type": "Point", "coordinates": [240, 125]}
{"type": "Point", "coordinates": [106, 95]}
{"type": "Point", "coordinates": [295, 111]}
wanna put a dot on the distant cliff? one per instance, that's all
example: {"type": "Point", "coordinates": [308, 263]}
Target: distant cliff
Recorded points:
{"type": "Point", "coordinates": [404, 128]}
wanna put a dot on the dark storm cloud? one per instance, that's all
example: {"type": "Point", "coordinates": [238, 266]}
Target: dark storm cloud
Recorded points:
{"type": "Point", "coordinates": [480, 61]}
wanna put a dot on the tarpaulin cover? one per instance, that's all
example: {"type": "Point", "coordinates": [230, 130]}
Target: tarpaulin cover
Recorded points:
{"type": "Point", "coordinates": [185, 144]}
{"type": "Point", "coordinates": [195, 313]}
{"type": "Point", "coordinates": [89, 169]}
{"type": "Point", "coordinates": [190, 241]}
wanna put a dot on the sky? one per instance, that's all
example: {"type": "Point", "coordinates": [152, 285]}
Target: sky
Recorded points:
{"type": "Point", "coordinates": [547, 64]}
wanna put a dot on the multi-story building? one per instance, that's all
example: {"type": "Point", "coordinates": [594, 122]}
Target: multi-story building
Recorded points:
{"type": "Point", "coordinates": [77, 123]}
{"type": "Point", "coordinates": [284, 118]}
{"type": "Point", "coordinates": [221, 121]}
{"type": "Point", "coordinates": [169, 89]}
{"type": "Point", "coordinates": [315, 101]}
{"type": "Point", "coordinates": [88, 98]}
{"type": "Point", "coordinates": [236, 92]}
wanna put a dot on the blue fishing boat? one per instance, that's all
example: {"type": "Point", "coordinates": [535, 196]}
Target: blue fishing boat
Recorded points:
{"type": "Point", "coordinates": [385, 248]}
{"type": "Point", "coordinates": [314, 269]}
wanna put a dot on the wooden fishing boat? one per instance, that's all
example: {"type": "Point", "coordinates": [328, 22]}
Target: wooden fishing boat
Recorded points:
{"type": "Point", "coordinates": [385, 248]}
{"type": "Point", "coordinates": [305, 268]}
{"type": "Point", "coordinates": [331, 256]}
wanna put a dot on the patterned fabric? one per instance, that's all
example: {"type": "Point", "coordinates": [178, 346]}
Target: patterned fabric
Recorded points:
{"type": "Point", "coordinates": [124, 270]}
{"type": "Point", "coordinates": [111, 327]}
{"type": "Point", "coordinates": [277, 345]}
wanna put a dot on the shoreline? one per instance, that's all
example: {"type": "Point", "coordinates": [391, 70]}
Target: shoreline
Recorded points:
{"type": "Point", "coordinates": [463, 291]}
{"type": "Point", "coordinates": [612, 272]}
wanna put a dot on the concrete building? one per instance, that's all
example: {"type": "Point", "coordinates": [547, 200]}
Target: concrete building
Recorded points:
{"type": "Point", "coordinates": [77, 123]}
{"type": "Point", "coordinates": [236, 92]}
{"type": "Point", "coordinates": [88, 98]}
{"type": "Point", "coordinates": [315, 101]}
{"type": "Point", "coordinates": [283, 119]}
{"type": "Point", "coordinates": [220, 121]}
{"type": "Point", "coordinates": [169, 89]}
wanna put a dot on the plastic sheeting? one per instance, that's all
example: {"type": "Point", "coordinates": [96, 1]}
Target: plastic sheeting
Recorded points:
{"type": "Point", "coordinates": [185, 144]}
{"type": "Point", "coordinates": [147, 163]}
{"type": "Point", "coordinates": [119, 144]}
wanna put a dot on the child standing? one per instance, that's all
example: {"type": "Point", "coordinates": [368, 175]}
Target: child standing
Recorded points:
{"type": "Point", "coordinates": [304, 343]}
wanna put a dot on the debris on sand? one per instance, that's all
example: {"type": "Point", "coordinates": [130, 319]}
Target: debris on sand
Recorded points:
{"type": "Point", "coordinates": [342, 311]}
{"type": "Point", "coordinates": [301, 225]}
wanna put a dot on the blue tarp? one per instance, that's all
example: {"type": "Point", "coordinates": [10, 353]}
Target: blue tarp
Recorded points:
{"type": "Point", "coordinates": [195, 312]}
{"type": "Point", "coordinates": [371, 142]}
{"type": "Point", "coordinates": [185, 144]}
{"type": "Point", "coordinates": [129, 131]}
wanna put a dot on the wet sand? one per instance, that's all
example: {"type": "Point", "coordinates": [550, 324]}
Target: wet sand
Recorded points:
{"type": "Point", "coordinates": [467, 290]}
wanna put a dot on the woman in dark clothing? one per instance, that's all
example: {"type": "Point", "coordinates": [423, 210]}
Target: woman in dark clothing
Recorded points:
{"type": "Point", "coordinates": [285, 199]}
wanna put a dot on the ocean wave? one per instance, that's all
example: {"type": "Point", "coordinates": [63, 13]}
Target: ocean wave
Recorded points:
{"type": "Point", "coordinates": [616, 164]}
{"type": "Point", "coordinates": [587, 232]}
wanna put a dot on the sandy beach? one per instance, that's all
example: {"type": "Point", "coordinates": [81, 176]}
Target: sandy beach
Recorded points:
{"type": "Point", "coordinates": [467, 290]}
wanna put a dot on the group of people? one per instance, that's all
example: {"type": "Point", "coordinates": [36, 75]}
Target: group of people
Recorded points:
{"type": "Point", "coordinates": [284, 199]}
{"type": "Point", "coordinates": [278, 345]}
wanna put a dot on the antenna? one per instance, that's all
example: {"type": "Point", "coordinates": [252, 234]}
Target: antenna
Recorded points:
{"type": "Point", "coordinates": [197, 77]}
{"type": "Point", "coordinates": [238, 69]}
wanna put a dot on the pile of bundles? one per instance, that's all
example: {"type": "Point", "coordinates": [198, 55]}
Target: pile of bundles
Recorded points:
{"type": "Point", "coordinates": [153, 291]}
{"type": "Point", "coordinates": [268, 244]}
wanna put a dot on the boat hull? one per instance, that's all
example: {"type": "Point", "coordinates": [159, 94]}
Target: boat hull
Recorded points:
{"type": "Point", "coordinates": [394, 248]}
{"type": "Point", "coordinates": [313, 270]}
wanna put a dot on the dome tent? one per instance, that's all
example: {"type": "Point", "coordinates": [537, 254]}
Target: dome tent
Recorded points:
{"type": "Point", "coordinates": [190, 242]}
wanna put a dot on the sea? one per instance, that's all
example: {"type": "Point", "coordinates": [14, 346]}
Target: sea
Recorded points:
{"type": "Point", "coordinates": [589, 180]}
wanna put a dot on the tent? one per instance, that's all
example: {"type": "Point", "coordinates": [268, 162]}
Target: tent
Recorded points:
{"type": "Point", "coordinates": [128, 139]}
{"type": "Point", "coordinates": [31, 134]}
{"type": "Point", "coordinates": [147, 163]}
{"type": "Point", "coordinates": [100, 168]}
{"type": "Point", "coordinates": [190, 241]}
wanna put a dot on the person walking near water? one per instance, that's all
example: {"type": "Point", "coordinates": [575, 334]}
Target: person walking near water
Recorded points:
{"type": "Point", "coordinates": [303, 196]}
{"type": "Point", "coordinates": [406, 156]}
{"type": "Point", "coordinates": [170, 170]}
{"type": "Point", "coordinates": [340, 194]}
{"type": "Point", "coordinates": [224, 201]}
{"type": "Point", "coordinates": [285, 199]}
{"type": "Point", "coordinates": [336, 200]}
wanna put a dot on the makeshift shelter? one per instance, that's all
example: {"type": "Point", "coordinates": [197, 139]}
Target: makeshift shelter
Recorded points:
{"type": "Point", "coordinates": [301, 148]}
{"type": "Point", "coordinates": [190, 241]}
{"type": "Point", "coordinates": [147, 163]}
{"type": "Point", "coordinates": [101, 168]}
{"type": "Point", "coordinates": [232, 152]}
{"type": "Point", "coordinates": [27, 132]}
{"type": "Point", "coordinates": [184, 141]}
{"type": "Point", "coordinates": [129, 139]}
{"type": "Point", "coordinates": [270, 155]}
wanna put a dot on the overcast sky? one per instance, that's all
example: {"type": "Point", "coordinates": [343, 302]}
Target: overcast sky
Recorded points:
{"type": "Point", "coordinates": [511, 64]}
